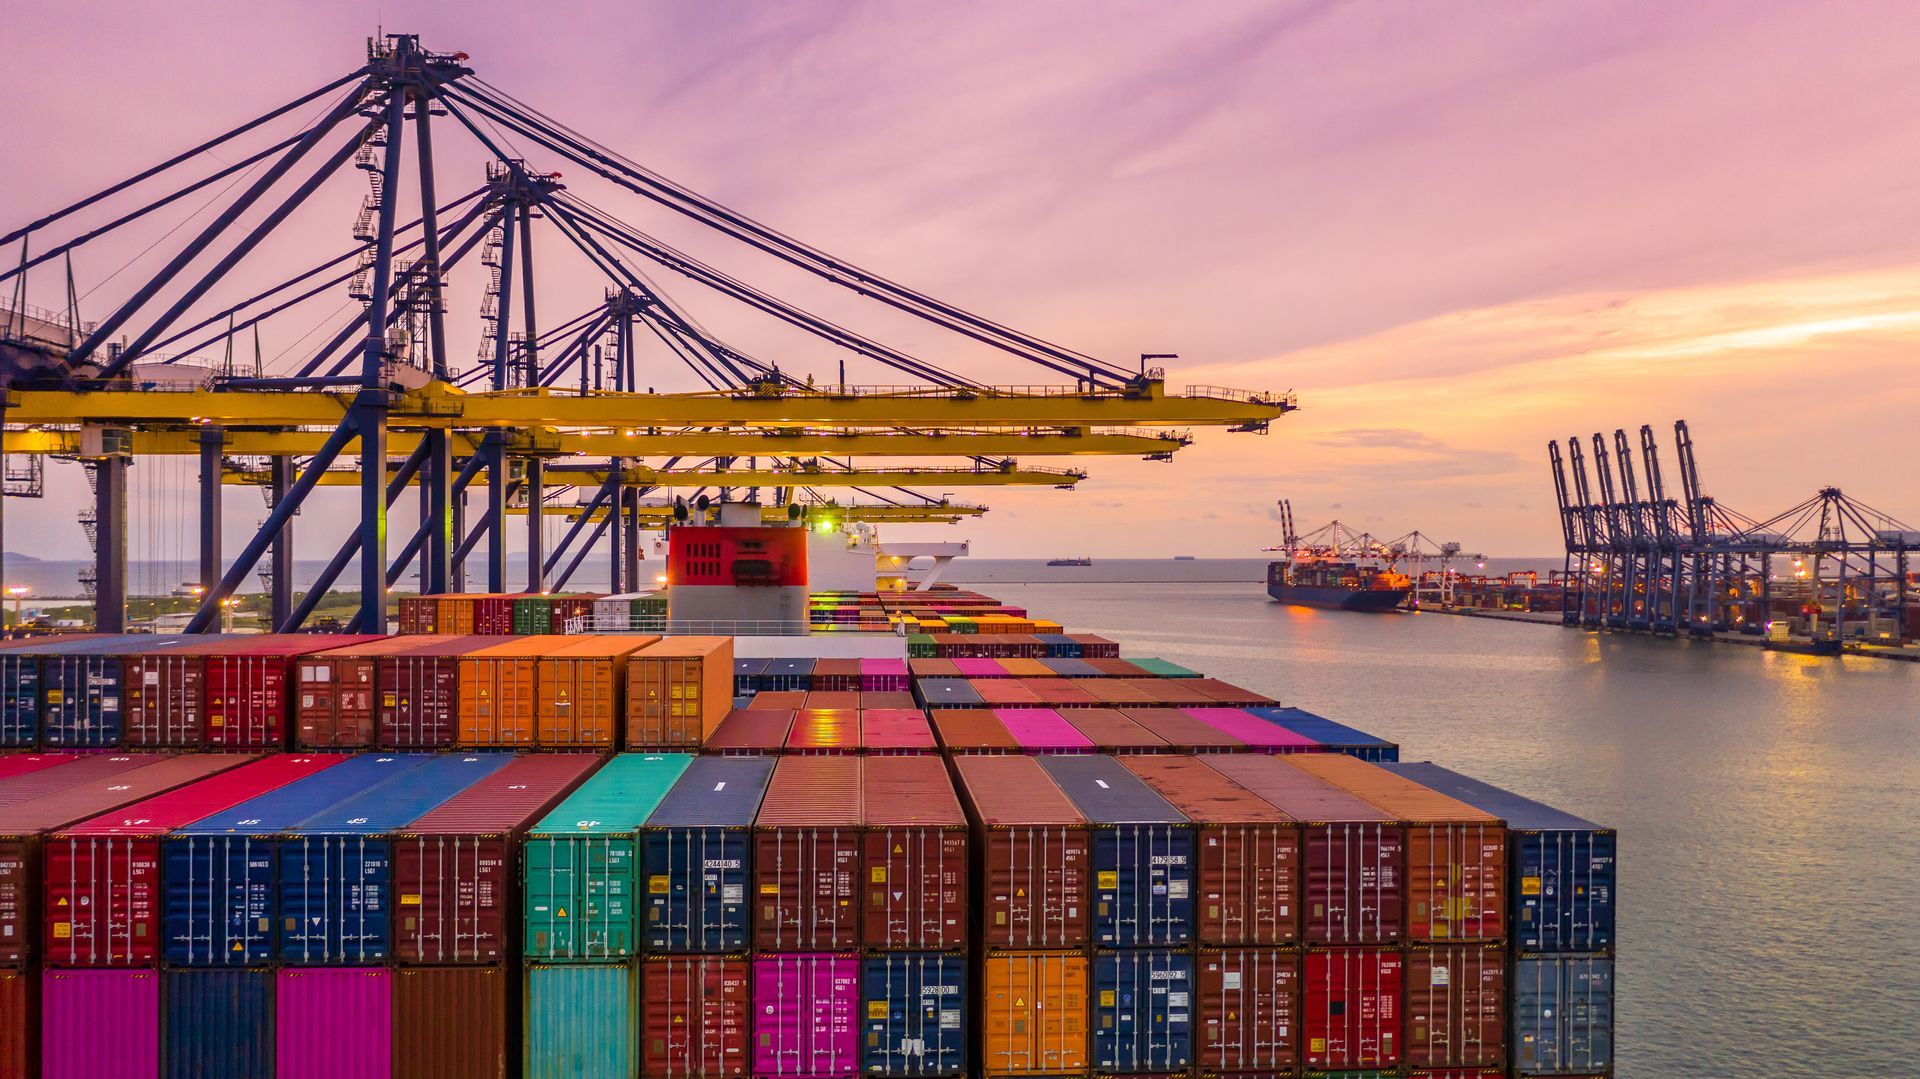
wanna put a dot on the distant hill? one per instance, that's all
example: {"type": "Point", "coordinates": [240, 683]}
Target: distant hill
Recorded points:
{"type": "Point", "coordinates": [12, 556]}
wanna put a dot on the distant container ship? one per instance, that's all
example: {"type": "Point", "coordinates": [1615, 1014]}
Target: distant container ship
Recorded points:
{"type": "Point", "coordinates": [1343, 586]}
{"type": "Point", "coordinates": [1070, 562]}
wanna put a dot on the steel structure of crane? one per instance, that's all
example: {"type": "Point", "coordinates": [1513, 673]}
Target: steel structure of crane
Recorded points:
{"type": "Point", "coordinates": [1642, 560]}
{"type": "Point", "coordinates": [1013, 475]}
{"type": "Point", "coordinates": [384, 390]}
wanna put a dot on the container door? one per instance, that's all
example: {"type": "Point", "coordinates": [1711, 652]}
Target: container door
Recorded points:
{"type": "Point", "coordinates": [806, 894]}
{"type": "Point", "coordinates": [334, 899]}
{"type": "Point", "coordinates": [915, 1020]}
{"type": "Point", "coordinates": [915, 881]}
{"type": "Point", "coordinates": [1143, 885]}
{"type": "Point", "coordinates": [1142, 1011]}
{"type": "Point", "coordinates": [579, 897]}
{"type": "Point", "coordinates": [219, 900]}
{"type": "Point", "coordinates": [697, 880]}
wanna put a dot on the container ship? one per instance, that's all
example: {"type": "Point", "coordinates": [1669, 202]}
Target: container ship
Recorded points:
{"type": "Point", "coordinates": [1070, 562]}
{"type": "Point", "coordinates": [1336, 568]}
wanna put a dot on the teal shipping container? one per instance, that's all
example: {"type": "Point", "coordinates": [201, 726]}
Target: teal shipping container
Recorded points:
{"type": "Point", "coordinates": [582, 1020]}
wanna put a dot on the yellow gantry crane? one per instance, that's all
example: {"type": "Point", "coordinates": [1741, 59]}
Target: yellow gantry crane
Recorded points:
{"type": "Point", "coordinates": [559, 416]}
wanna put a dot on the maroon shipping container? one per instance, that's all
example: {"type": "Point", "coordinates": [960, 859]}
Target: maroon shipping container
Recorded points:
{"type": "Point", "coordinates": [78, 1010]}
{"type": "Point", "coordinates": [1456, 1005]}
{"type": "Point", "coordinates": [101, 903]}
{"type": "Point", "coordinates": [785, 700]}
{"type": "Point", "coordinates": [568, 607]}
{"type": "Point", "coordinates": [1111, 730]}
{"type": "Point", "coordinates": [824, 730]}
{"type": "Point", "coordinates": [751, 732]}
{"type": "Point", "coordinates": [419, 687]}
{"type": "Point", "coordinates": [19, 1024]}
{"type": "Point", "coordinates": [336, 695]}
{"type": "Point", "coordinates": [1246, 1011]}
{"type": "Point", "coordinates": [27, 786]}
{"type": "Point", "coordinates": [806, 852]}
{"type": "Point", "coordinates": [836, 676]}
{"type": "Point", "coordinates": [836, 700]}
{"type": "Point", "coordinates": [1034, 852]}
{"type": "Point", "coordinates": [696, 1015]}
{"type": "Point", "coordinates": [493, 614]}
{"type": "Point", "coordinates": [1059, 693]}
{"type": "Point", "coordinates": [1351, 852]}
{"type": "Point", "coordinates": [1224, 692]}
{"type": "Point", "coordinates": [456, 873]}
{"type": "Point", "coordinates": [972, 730]}
{"type": "Point", "coordinates": [1246, 853]}
{"type": "Point", "coordinates": [1184, 732]}
{"type": "Point", "coordinates": [913, 861]}
{"type": "Point", "coordinates": [22, 827]}
{"type": "Point", "coordinates": [162, 691]}
{"type": "Point", "coordinates": [895, 730]}
{"type": "Point", "coordinates": [452, 1021]}
{"type": "Point", "coordinates": [873, 699]}
{"type": "Point", "coordinates": [1114, 667]}
{"type": "Point", "coordinates": [1351, 1007]}
{"type": "Point", "coordinates": [248, 685]}
{"type": "Point", "coordinates": [419, 614]}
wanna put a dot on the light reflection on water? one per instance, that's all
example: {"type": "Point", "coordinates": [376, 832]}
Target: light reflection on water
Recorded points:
{"type": "Point", "coordinates": [1768, 804]}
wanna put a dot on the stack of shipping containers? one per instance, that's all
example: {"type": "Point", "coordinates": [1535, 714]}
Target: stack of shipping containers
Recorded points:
{"type": "Point", "coordinates": [456, 891]}
{"type": "Point", "coordinates": [1032, 852]}
{"type": "Point", "coordinates": [1141, 917]}
{"type": "Point", "coordinates": [1560, 899]}
{"type": "Point", "coordinates": [580, 874]}
{"type": "Point", "coordinates": [696, 1013]}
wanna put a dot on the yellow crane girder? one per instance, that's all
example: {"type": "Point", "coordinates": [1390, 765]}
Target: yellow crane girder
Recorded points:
{"type": "Point", "coordinates": [1046, 442]}
{"type": "Point", "coordinates": [440, 405]}
{"type": "Point", "coordinates": [643, 475]}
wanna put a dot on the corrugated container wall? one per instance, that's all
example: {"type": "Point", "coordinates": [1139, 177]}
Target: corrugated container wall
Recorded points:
{"type": "Point", "coordinates": [580, 686]}
{"type": "Point", "coordinates": [453, 1021]}
{"type": "Point", "coordinates": [1034, 852]}
{"type": "Point", "coordinates": [498, 700]}
{"type": "Point", "coordinates": [216, 1024]}
{"type": "Point", "coordinates": [1033, 1013]}
{"type": "Point", "coordinates": [1351, 1009]}
{"type": "Point", "coordinates": [1142, 1010]}
{"type": "Point", "coordinates": [697, 857]}
{"type": "Point", "coordinates": [1456, 1005]}
{"type": "Point", "coordinates": [1247, 1010]}
{"type": "Point", "coordinates": [806, 1015]}
{"type": "Point", "coordinates": [333, 1022]}
{"type": "Point", "coordinates": [72, 1006]}
{"type": "Point", "coordinates": [913, 862]}
{"type": "Point", "coordinates": [916, 1014]}
{"type": "Point", "coordinates": [806, 854]}
{"type": "Point", "coordinates": [420, 691]}
{"type": "Point", "coordinates": [582, 1019]}
{"type": "Point", "coordinates": [678, 691]}
{"type": "Point", "coordinates": [697, 1016]}
{"type": "Point", "coordinates": [1562, 1015]}
{"type": "Point", "coordinates": [457, 869]}
{"type": "Point", "coordinates": [19, 1023]}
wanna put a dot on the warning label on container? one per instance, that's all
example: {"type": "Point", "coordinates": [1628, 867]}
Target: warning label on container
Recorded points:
{"type": "Point", "coordinates": [1107, 880]}
{"type": "Point", "coordinates": [876, 1009]}
{"type": "Point", "coordinates": [658, 885]}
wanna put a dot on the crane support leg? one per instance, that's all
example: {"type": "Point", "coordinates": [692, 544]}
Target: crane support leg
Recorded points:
{"type": "Point", "coordinates": [281, 604]}
{"type": "Point", "coordinates": [212, 442]}
{"type": "Point", "coordinates": [616, 495]}
{"type": "Point", "coordinates": [437, 513]}
{"type": "Point", "coordinates": [110, 546]}
{"type": "Point", "coordinates": [536, 523]}
{"type": "Point", "coordinates": [495, 447]}
{"type": "Point", "coordinates": [632, 545]}
{"type": "Point", "coordinates": [350, 547]}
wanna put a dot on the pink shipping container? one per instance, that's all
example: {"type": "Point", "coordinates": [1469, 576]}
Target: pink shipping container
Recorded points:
{"type": "Point", "coordinates": [895, 730]}
{"type": "Point", "coordinates": [979, 668]}
{"type": "Point", "coordinates": [333, 1023]}
{"type": "Point", "coordinates": [884, 676]}
{"type": "Point", "coordinates": [1257, 733]}
{"type": "Point", "coordinates": [78, 1010]}
{"type": "Point", "coordinates": [1041, 730]}
{"type": "Point", "coordinates": [806, 1015]}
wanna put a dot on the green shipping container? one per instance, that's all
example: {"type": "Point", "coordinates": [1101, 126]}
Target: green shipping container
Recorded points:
{"type": "Point", "coordinates": [921, 646]}
{"type": "Point", "coordinates": [579, 869]}
{"type": "Point", "coordinates": [532, 614]}
{"type": "Point", "coordinates": [582, 1019]}
{"type": "Point", "coordinates": [1161, 668]}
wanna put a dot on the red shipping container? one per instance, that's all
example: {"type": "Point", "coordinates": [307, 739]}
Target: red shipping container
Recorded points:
{"type": "Point", "coordinates": [806, 853]}
{"type": "Point", "coordinates": [751, 732]}
{"type": "Point", "coordinates": [1246, 853]}
{"type": "Point", "coordinates": [67, 773]}
{"type": "Point", "coordinates": [161, 689]}
{"type": "Point", "coordinates": [895, 731]}
{"type": "Point", "coordinates": [833, 701]}
{"type": "Point", "coordinates": [835, 676]}
{"type": "Point", "coordinates": [881, 699]}
{"type": "Point", "coordinates": [419, 691]}
{"type": "Point", "coordinates": [824, 730]}
{"type": "Point", "coordinates": [1351, 1007]}
{"type": "Point", "coordinates": [1111, 730]}
{"type": "Point", "coordinates": [1456, 1005]}
{"type": "Point", "coordinates": [335, 707]}
{"type": "Point", "coordinates": [1034, 851]}
{"type": "Point", "coordinates": [24, 764]}
{"type": "Point", "coordinates": [1059, 693]}
{"type": "Point", "coordinates": [913, 862]}
{"type": "Point", "coordinates": [493, 614]}
{"type": "Point", "coordinates": [972, 730]}
{"type": "Point", "coordinates": [248, 685]}
{"type": "Point", "coordinates": [1184, 732]}
{"type": "Point", "coordinates": [695, 1016]}
{"type": "Point", "coordinates": [19, 1024]}
{"type": "Point", "coordinates": [102, 893]}
{"type": "Point", "coordinates": [1352, 889]}
{"type": "Point", "coordinates": [456, 873]}
{"type": "Point", "coordinates": [1004, 693]}
{"type": "Point", "coordinates": [1246, 1010]}
{"type": "Point", "coordinates": [107, 783]}
{"type": "Point", "coordinates": [784, 700]}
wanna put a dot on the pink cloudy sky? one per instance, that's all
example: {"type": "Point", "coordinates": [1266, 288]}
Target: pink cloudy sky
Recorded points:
{"type": "Point", "coordinates": [1455, 230]}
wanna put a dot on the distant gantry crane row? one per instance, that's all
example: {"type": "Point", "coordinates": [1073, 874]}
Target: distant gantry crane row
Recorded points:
{"type": "Point", "coordinates": [560, 417]}
{"type": "Point", "coordinates": [1829, 569]}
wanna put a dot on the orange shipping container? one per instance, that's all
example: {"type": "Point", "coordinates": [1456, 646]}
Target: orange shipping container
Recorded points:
{"type": "Point", "coordinates": [1456, 855]}
{"type": "Point", "coordinates": [454, 615]}
{"type": "Point", "coordinates": [579, 686]}
{"type": "Point", "coordinates": [678, 691]}
{"type": "Point", "coordinates": [1033, 1006]}
{"type": "Point", "coordinates": [497, 692]}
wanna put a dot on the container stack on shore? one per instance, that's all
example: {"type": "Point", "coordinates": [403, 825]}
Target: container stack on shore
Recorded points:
{"type": "Point", "coordinates": [943, 838]}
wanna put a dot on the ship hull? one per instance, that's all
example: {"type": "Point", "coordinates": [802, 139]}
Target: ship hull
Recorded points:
{"type": "Point", "coordinates": [1338, 599]}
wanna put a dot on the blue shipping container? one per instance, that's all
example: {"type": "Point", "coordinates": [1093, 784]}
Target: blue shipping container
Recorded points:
{"type": "Point", "coordinates": [1071, 668]}
{"type": "Point", "coordinates": [1142, 1011]}
{"type": "Point", "coordinates": [217, 874]}
{"type": "Point", "coordinates": [946, 693]}
{"type": "Point", "coordinates": [336, 869]}
{"type": "Point", "coordinates": [696, 856]}
{"type": "Point", "coordinates": [1335, 736]}
{"type": "Point", "coordinates": [1142, 853]}
{"type": "Point", "coordinates": [1562, 1014]}
{"type": "Point", "coordinates": [788, 675]}
{"type": "Point", "coordinates": [19, 699]}
{"type": "Point", "coordinates": [1060, 646]}
{"type": "Point", "coordinates": [582, 1019]}
{"type": "Point", "coordinates": [80, 690]}
{"type": "Point", "coordinates": [916, 1014]}
{"type": "Point", "coordinates": [1561, 866]}
{"type": "Point", "coordinates": [747, 675]}
{"type": "Point", "coordinates": [216, 1024]}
